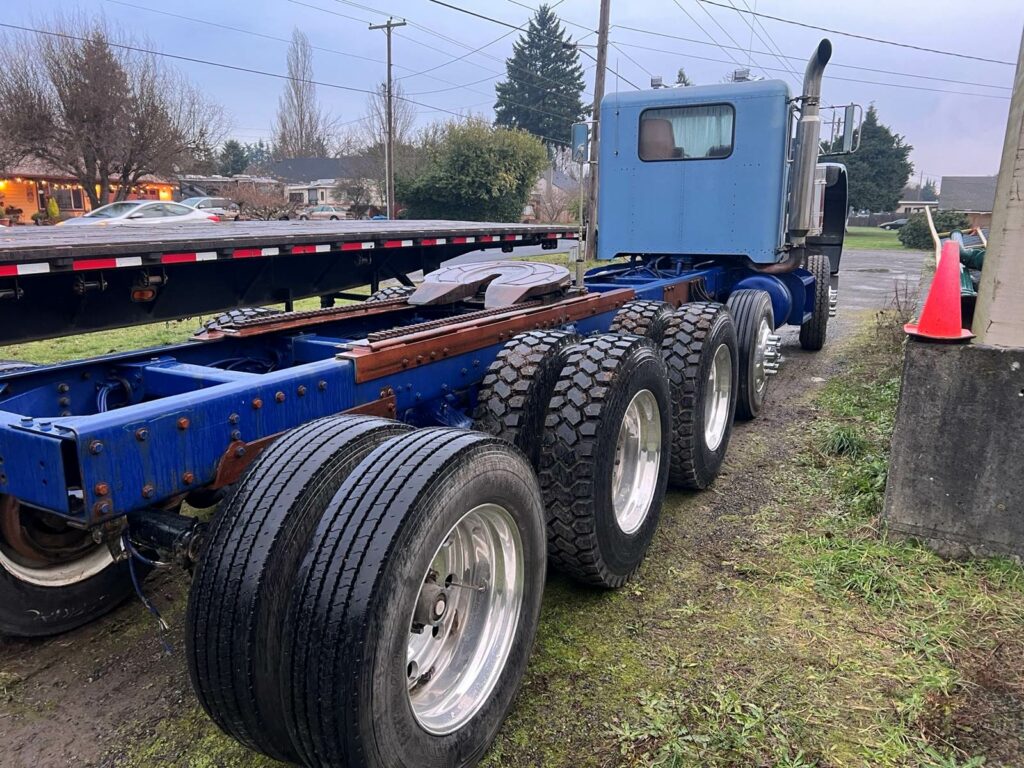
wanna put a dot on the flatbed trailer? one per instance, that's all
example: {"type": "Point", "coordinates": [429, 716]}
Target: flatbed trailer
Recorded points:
{"type": "Point", "coordinates": [60, 280]}
{"type": "Point", "coordinates": [391, 477]}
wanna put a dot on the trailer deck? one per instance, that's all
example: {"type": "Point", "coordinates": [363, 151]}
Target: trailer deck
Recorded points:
{"type": "Point", "coordinates": [63, 280]}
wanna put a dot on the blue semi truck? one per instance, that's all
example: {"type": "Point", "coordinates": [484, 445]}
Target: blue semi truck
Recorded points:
{"type": "Point", "coordinates": [393, 476]}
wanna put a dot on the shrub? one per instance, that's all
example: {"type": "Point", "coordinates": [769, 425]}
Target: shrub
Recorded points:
{"type": "Point", "coordinates": [915, 233]}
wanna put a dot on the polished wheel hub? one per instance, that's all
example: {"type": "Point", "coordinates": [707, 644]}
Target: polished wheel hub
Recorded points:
{"type": "Point", "coordinates": [717, 395]}
{"type": "Point", "coordinates": [833, 301]}
{"type": "Point", "coordinates": [772, 357]}
{"type": "Point", "coordinates": [465, 619]}
{"type": "Point", "coordinates": [637, 459]}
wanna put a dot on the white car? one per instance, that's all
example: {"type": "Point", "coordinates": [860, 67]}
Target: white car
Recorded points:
{"type": "Point", "coordinates": [141, 213]}
{"type": "Point", "coordinates": [228, 210]}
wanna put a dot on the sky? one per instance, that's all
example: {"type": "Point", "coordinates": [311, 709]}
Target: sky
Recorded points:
{"type": "Point", "coordinates": [956, 128]}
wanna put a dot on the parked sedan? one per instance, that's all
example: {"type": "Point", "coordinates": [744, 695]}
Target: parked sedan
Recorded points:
{"type": "Point", "coordinates": [890, 225]}
{"type": "Point", "coordinates": [218, 206]}
{"type": "Point", "coordinates": [323, 213]}
{"type": "Point", "coordinates": [141, 213]}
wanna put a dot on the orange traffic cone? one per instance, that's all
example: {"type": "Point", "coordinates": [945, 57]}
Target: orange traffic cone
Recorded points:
{"type": "Point", "coordinates": [940, 319]}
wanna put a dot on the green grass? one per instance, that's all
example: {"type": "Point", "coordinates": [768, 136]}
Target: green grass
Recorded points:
{"type": "Point", "coordinates": [872, 238]}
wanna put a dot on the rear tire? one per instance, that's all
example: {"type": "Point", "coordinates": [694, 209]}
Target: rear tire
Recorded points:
{"type": "Point", "coordinates": [513, 398]}
{"type": "Point", "coordinates": [604, 467]}
{"type": "Point", "coordinates": [358, 697]}
{"type": "Point", "coordinates": [643, 318]}
{"type": "Point", "coordinates": [391, 293]}
{"type": "Point", "coordinates": [69, 581]}
{"type": "Point", "coordinates": [701, 421]}
{"type": "Point", "coordinates": [814, 332]}
{"type": "Point", "coordinates": [243, 582]}
{"type": "Point", "coordinates": [237, 315]}
{"type": "Point", "coordinates": [754, 319]}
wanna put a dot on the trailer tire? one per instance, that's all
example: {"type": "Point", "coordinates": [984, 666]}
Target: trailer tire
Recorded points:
{"type": "Point", "coordinates": [692, 350]}
{"type": "Point", "coordinates": [513, 399]}
{"type": "Point", "coordinates": [38, 600]}
{"type": "Point", "coordinates": [814, 332]}
{"type": "Point", "coordinates": [351, 650]}
{"type": "Point", "coordinates": [243, 581]}
{"type": "Point", "coordinates": [643, 318]}
{"type": "Point", "coordinates": [754, 319]}
{"type": "Point", "coordinates": [391, 293]}
{"type": "Point", "coordinates": [237, 315]}
{"type": "Point", "coordinates": [604, 467]}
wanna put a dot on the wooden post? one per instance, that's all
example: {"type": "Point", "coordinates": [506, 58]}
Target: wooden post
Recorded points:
{"type": "Point", "coordinates": [999, 315]}
{"type": "Point", "coordinates": [599, 75]}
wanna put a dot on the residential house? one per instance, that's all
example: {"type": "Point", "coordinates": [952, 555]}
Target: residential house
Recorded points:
{"type": "Point", "coordinates": [31, 183]}
{"type": "Point", "coordinates": [910, 207]}
{"type": "Point", "coordinates": [347, 182]}
{"type": "Point", "coordinates": [973, 195]}
{"type": "Point", "coordinates": [554, 199]}
{"type": "Point", "coordinates": [232, 187]}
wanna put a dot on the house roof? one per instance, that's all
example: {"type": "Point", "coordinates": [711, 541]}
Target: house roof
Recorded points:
{"type": "Point", "coordinates": [34, 168]}
{"type": "Point", "coordinates": [301, 170]}
{"type": "Point", "coordinates": [968, 193]}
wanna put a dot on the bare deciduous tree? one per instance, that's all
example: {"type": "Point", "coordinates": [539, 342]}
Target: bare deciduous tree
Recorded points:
{"type": "Point", "coordinates": [91, 107]}
{"type": "Point", "coordinates": [303, 128]}
{"type": "Point", "coordinates": [375, 133]}
{"type": "Point", "coordinates": [553, 204]}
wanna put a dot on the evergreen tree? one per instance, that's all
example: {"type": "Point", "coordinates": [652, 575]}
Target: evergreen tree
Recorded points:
{"type": "Point", "coordinates": [682, 78]}
{"type": "Point", "coordinates": [929, 191]}
{"type": "Point", "coordinates": [879, 169]}
{"type": "Point", "coordinates": [233, 158]}
{"type": "Point", "coordinates": [259, 155]}
{"type": "Point", "coordinates": [544, 83]}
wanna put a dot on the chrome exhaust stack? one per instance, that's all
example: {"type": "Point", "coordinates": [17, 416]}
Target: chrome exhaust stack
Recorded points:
{"type": "Point", "coordinates": [808, 141]}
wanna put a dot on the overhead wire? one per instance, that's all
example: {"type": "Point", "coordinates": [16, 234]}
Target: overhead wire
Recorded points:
{"type": "Point", "coordinates": [865, 37]}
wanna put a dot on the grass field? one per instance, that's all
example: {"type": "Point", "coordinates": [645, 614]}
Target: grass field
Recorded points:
{"type": "Point", "coordinates": [872, 238]}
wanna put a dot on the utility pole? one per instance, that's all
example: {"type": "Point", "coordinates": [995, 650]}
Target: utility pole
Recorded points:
{"type": "Point", "coordinates": [595, 142]}
{"type": "Point", "coordinates": [999, 313]}
{"type": "Point", "coordinates": [389, 143]}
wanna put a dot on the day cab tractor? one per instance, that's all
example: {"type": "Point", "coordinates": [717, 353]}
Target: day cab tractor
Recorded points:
{"type": "Point", "coordinates": [392, 476]}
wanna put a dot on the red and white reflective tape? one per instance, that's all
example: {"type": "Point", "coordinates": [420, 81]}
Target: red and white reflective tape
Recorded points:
{"type": "Point", "coordinates": [357, 246]}
{"type": "Point", "coordinates": [321, 248]}
{"type": "Point", "coordinates": [461, 240]}
{"type": "Point", "coordinates": [397, 243]}
{"type": "Point", "coordinates": [114, 263]}
{"type": "Point", "coordinates": [512, 238]}
{"type": "Point", "coordinates": [187, 258]}
{"type": "Point", "coordinates": [434, 241]}
{"type": "Point", "coordinates": [250, 253]}
{"type": "Point", "coordinates": [571, 235]}
{"type": "Point", "coordinates": [13, 270]}
{"type": "Point", "coordinates": [487, 238]}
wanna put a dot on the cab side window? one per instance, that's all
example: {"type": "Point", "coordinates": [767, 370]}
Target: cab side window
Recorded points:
{"type": "Point", "coordinates": [699, 132]}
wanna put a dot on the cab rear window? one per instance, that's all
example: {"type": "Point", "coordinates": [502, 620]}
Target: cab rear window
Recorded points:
{"type": "Point", "coordinates": [699, 132]}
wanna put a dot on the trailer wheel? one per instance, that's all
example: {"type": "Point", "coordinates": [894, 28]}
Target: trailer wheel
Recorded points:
{"type": "Point", "coordinates": [754, 319]}
{"type": "Point", "coordinates": [237, 315]}
{"type": "Point", "coordinates": [53, 578]}
{"type": "Point", "coordinates": [243, 581]}
{"type": "Point", "coordinates": [643, 318]}
{"type": "Point", "coordinates": [814, 331]}
{"type": "Point", "coordinates": [391, 293]}
{"type": "Point", "coordinates": [604, 466]}
{"type": "Point", "coordinates": [416, 607]}
{"type": "Point", "coordinates": [513, 398]}
{"type": "Point", "coordinates": [700, 352]}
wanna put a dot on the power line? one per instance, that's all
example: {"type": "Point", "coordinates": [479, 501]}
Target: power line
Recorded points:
{"type": "Point", "coordinates": [753, 32]}
{"type": "Point", "coordinates": [864, 37]}
{"type": "Point", "coordinates": [771, 40]}
{"type": "Point", "coordinates": [478, 15]}
{"type": "Point", "coordinates": [719, 24]}
{"type": "Point", "coordinates": [706, 33]}
{"type": "Point", "coordinates": [830, 76]}
{"type": "Point", "coordinates": [630, 58]}
{"type": "Point", "coordinates": [799, 58]}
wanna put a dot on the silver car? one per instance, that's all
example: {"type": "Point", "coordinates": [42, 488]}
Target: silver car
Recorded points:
{"type": "Point", "coordinates": [323, 213]}
{"type": "Point", "coordinates": [140, 213]}
{"type": "Point", "coordinates": [226, 209]}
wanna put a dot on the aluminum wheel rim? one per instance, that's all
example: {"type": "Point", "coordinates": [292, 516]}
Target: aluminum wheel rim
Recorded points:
{"type": "Point", "coordinates": [59, 574]}
{"type": "Point", "coordinates": [637, 460]}
{"type": "Point", "coordinates": [452, 667]}
{"type": "Point", "coordinates": [764, 331]}
{"type": "Point", "coordinates": [37, 551]}
{"type": "Point", "coordinates": [717, 395]}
